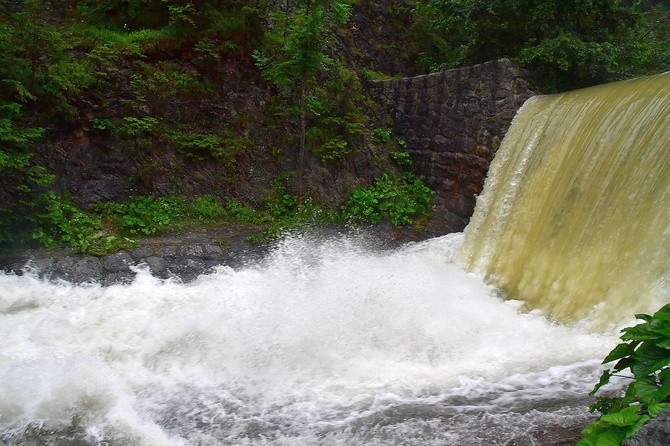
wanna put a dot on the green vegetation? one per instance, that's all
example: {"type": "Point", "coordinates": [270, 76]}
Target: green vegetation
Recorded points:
{"type": "Point", "coordinates": [129, 72]}
{"type": "Point", "coordinates": [146, 215]}
{"type": "Point", "coordinates": [293, 59]}
{"type": "Point", "coordinates": [400, 201]}
{"type": "Point", "coordinates": [112, 226]}
{"type": "Point", "coordinates": [645, 352]}
{"type": "Point", "coordinates": [568, 43]}
{"type": "Point", "coordinates": [202, 146]}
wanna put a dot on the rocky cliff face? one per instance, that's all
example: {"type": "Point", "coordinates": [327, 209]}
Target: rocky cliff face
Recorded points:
{"type": "Point", "coordinates": [94, 164]}
{"type": "Point", "coordinates": [453, 122]}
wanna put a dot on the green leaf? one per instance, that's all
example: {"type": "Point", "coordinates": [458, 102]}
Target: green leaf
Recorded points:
{"type": "Point", "coordinates": [656, 409]}
{"type": "Point", "coordinates": [604, 379]}
{"type": "Point", "coordinates": [650, 360]}
{"type": "Point", "coordinates": [612, 437]}
{"type": "Point", "coordinates": [640, 332]}
{"type": "Point", "coordinates": [620, 351]}
{"type": "Point", "coordinates": [645, 391]}
{"type": "Point", "coordinates": [625, 417]}
{"type": "Point", "coordinates": [623, 364]}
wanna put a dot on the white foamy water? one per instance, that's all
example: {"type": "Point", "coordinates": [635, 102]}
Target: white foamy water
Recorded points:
{"type": "Point", "coordinates": [322, 343]}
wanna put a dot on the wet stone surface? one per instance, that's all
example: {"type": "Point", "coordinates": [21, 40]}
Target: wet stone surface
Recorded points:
{"type": "Point", "coordinates": [183, 256]}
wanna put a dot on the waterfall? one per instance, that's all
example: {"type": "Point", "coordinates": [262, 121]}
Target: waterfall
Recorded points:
{"type": "Point", "coordinates": [334, 341]}
{"type": "Point", "coordinates": [575, 213]}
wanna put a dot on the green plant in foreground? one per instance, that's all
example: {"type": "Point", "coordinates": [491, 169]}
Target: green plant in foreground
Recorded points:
{"type": "Point", "coordinates": [646, 353]}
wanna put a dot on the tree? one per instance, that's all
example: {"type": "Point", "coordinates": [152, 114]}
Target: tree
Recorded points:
{"type": "Point", "coordinates": [36, 68]}
{"type": "Point", "coordinates": [570, 43]}
{"type": "Point", "coordinates": [294, 56]}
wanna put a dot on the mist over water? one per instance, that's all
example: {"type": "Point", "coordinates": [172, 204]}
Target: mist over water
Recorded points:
{"type": "Point", "coordinates": [324, 342]}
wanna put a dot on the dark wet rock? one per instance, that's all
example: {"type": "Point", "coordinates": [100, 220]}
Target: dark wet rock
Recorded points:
{"type": "Point", "coordinates": [184, 256]}
{"type": "Point", "coordinates": [118, 262]}
{"type": "Point", "coordinates": [167, 251]}
{"type": "Point", "coordinates": [156, 265]}
{"type": "Point", "coordinates": [240, 245]}
{"type": "Point", "coordinates": [213, 251]}
{"type": "Point", "coordinates": [142, 252]}
{"type": "Point", "coordinates": [191, 251]}
{"type": "Point", "coordinates": [117, 278]}
{"type": "Point", "coordinates": [654, 433]}
{"type": "Point", "coordinates": [44, 264]}
{"type": "Point", "coordinates": [78, 269]}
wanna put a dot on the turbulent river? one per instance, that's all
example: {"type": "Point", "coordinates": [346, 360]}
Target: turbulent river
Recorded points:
{"type": "Point", "coordinates": [333, 342]}
{"type": "Point", "coordinates": [325, 342]}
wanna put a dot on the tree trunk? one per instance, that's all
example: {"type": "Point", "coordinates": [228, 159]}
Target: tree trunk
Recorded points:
{"type": "Point", "coordinates": [301, 153]}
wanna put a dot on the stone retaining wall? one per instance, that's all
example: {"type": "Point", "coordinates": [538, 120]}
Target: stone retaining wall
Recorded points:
{"type": "Point", "coordinates": [453, 122]}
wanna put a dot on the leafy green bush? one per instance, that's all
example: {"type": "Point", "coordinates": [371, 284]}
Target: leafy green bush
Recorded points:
{"type": "Point", "coordinates": [283, 206]}
{"type": "Point", "coordinates": [646, 353]}
{"type": "Point", "coordinates": [60, 222]}
{"type": "Point", "coordinates": [147, 215]}
{"type": "Point", "coordinates": [383, 134]}
{"type": "Point", "coordinates": [399, 201]}
{"type": "Point", "coordinates": [570, 44]}
{"type": "Point", "coordinates": [37, 62]}
{"type": "Point", "coordinates": [240, 212]}
{"type": "Point", "coordinates": [204, 146]}
{"type": "Point", "coordinates": [138, 129]}
{"type": "Point", "coordinates": [165, 80]}
{"type": "Point", "coordinates": [108, 56]}
{"type": "Point", "coordinates": [402, 160]}
{"type": "Point", "coordinates": [339, 124]}
{"type": "Point", "coordinates": [206, 208]}
{"type": "Point", "coordinates": [133, 126]}
{"type": "Point", "coordinates": [102, 124]}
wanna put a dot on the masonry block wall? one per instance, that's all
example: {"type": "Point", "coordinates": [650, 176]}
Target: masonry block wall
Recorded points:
{"type": "Point", "coordinates": [453, 123]}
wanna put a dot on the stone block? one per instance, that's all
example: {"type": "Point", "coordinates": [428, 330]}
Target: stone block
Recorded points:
{"type": "Point", "coordinates": [142, 252]}
{"type": "Point", "coordinates": [78, 269]}
{"type": "Point", "coordinates": [156, 265]}
{"type": "Point", "coordinates": [192, 251]}
{"type": "Point", "coordinates": [119, 262]}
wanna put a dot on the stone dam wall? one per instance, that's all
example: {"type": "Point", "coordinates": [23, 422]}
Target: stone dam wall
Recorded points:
{"type": "Point", "coordinates": [453, 122]}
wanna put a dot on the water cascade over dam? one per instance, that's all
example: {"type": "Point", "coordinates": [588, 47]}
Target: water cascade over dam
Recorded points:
{"type": "Point", "coordinates": [575, 215]}
{"type": "Point", "coordinates": [334, 341]}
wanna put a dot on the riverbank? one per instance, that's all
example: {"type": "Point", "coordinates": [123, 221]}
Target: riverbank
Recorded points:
{"type": "Point", "coordinates": [185, 255]}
